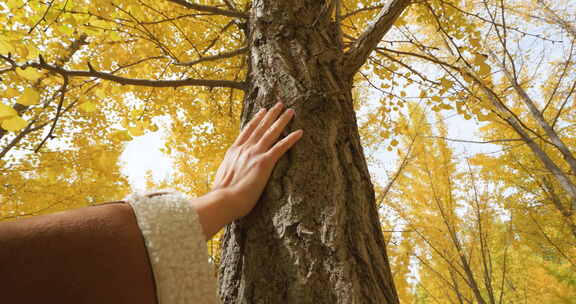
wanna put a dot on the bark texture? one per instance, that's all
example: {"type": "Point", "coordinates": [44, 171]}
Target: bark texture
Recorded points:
{"type": "Point", "coordinates": [315, 235]}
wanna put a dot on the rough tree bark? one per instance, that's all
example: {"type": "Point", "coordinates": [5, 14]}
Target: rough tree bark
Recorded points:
{"type": "Point", "coordinates": [315, 235]}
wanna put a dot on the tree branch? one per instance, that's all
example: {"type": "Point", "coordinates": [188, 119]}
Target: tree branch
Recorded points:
{"type": "Point", "coordinates": [230, 5]}
{"type": "Point", "coordinates": [558, 19]}
{"type": "Point", "coordinates": [369, 40]}
{"type": "Point", "coordinates": [139, 82]}
{"type": "Point", "coordinates": [43, 18]}
{"type": "Point", "coordinates": [210, 9]}
{"type": "Point", "coordinates": [475, 141]}
{"type": "Point", "coordinates": [58, 114]}
{"type": "Point", "coordinates": [360, 10]}
{"type": "Point", "coordinates": [18, 138]}
{"type": "Point", "coordinates": [215, 57]}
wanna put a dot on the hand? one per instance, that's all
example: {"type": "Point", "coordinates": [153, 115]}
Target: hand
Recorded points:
{"type": "Point", "coordinates": [246, 169]}
{"type": "Point", "coordinates": [248, 164]}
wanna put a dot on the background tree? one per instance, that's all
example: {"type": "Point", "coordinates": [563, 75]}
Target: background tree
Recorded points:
{"type": "Point", "coordinates": [519, 78]}
{"type": "Point", "coordinates": [460, 239]}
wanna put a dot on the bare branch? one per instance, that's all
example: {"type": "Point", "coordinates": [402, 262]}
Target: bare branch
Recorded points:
{"type": "Point", "coordinates": [570, 93]}
{"type": "Point", "coordinates": [58, 114]}
{"type": "Point", "coordinates": [210, 9]}
{"type": "Point", "coordinates": [561, 78]}
{"type": "Point", "coordinates": [406, 66]}
{"type": "Point", "coordinates": [405, 162]}
{"type": "Point", "coordinates": [360, 10]}
{"type": "Point", "coordinates": [476, 142]}
{"type": "Point", "coordinates": [139, 82]}
{"type": "Point", "coordinates": [229, 4]}
{"type": "Point", "coordinates": [550, 241]}
{"type": "Point", "coordinates": [557, 142]}
{"type": "Point", "coordinates": [483, 19]}
{"type": "Point", "coordinates": [17, 139]}
{"type": "Point", "coordinates": [43, 18]}
{"type": "Point", "coordinates": [369, 40]}
{"type": "Point", "coordinates": [338, 13]}
{"type": "Point", "coordinates": [215, 57]}
{"type": "Point", "coordinates": [567, 26]}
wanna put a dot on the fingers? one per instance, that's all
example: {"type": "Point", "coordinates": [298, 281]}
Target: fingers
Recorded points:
{"type": "Point", "coordinates": [266, 122]}
{"type": "Point", "coordinates": [284, 145]}
{"type": "Point", "coordinates": [270, 137]}
{"type": "Point", "coordinates": [250, 127]}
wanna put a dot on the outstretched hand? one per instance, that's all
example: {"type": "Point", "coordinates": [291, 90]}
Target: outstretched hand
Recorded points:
{"type": "Point", "coordinates": [246, 168]}
{"type": "Point", "coordinates": [248, 164]}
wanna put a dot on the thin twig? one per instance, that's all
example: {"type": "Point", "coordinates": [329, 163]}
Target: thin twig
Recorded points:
{"type": "Point", "coordinates": [58, 114]}
{"type": "Point", "coordinates": [210, 9]}
{"type": "Point", "coordinates": [215, 57]}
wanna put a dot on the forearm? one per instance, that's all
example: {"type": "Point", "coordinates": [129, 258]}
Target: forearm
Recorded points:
{"type": "Point", "coordinates": [89, 255]}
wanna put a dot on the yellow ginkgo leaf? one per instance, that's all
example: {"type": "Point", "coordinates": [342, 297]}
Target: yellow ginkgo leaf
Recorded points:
{"type": "Point", "coordinates": [11, 92]}
{"type": "Point", "coordinates": [5, 47]}
{"type": "Point", "coordinates": [100, 23]}
{"type": "Point", "coordinates": [480, 59]}
{"type": "Point", "coordinates": [88, 107]}
{"type": "Point", "coordinates": [29, 74]}
{"type": "Point", "coordinates": [14, 124]}
{"type": "Point", "coordinates": [436, 98]}
{"type": "Point", "coordinates": [100, 93]}
{"type": "Point", "coordinates": [153, 127]}
{"type": "Point", "coordinates": [447, 84]}
{"type": "Point", "coordinates": [484, 69]}
{"type": "Point", "coordinates": [136, 131]}
{"type": "Point", "coordinates": [30, 97]}
{"type": "Point", "coordinates": [6, 111]}
{"type": "Point", "coordinates": [121, 135]}
{"type": "Point", "coordinates": [12, 4]}
{"type": "Point", "coordinates": [202, 96]}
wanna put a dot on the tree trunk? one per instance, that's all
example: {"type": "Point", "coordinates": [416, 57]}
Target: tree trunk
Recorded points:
{"type": "Point", "coordinates": [315, 235]}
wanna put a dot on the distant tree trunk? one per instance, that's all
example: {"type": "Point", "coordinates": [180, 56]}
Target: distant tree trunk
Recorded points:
{"type": "Point", "coordinates": [315, 235]}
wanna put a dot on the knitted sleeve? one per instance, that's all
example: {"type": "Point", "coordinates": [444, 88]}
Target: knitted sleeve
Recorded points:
{"type": "Point", "coordinates": [176, 248]}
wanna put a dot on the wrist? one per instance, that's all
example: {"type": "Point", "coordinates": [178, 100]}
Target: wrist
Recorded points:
{"type": "Point", "coordinates": [214, 211]}
{"type": "Point", "coordinates": [225, 201]}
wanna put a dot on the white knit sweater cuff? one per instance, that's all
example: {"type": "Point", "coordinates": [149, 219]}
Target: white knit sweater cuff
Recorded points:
{"type": "Point", "coordinates": [176, 248]}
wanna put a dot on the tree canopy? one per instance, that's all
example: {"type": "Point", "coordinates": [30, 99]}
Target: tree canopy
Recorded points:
{"type": "Point", "coordinates": [81, 78]}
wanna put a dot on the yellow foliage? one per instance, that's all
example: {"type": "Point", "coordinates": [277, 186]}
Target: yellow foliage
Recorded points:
{"type": "Point", "coordinates": [30, 97]}
{"type": "Point", "coordinates": [14, 124]}
{"type": "Point", "coordinates": [87, 106]}
{"type": "Point", "coordinates": [445, 55]}
{"type": "Point", "coordinates": [28, 73]}
{"type": "Point", "coordinates": [6, 111]}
